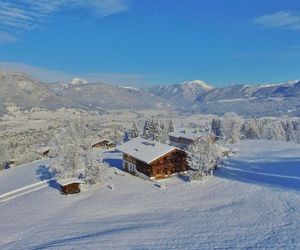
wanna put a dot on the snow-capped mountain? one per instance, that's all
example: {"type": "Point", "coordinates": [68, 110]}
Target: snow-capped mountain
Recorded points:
{"type": "Point", "coordinates": [181, 94]}
{"type": "Point", "coordinates": [78, 81]}
{"type": "Point", "coordinates": [22, 91]}
{"type": "Point", "coordinates": [255, 100]}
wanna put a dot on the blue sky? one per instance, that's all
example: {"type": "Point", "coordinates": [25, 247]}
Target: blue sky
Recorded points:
{"type": "Point", "coordinates": [143, 42]}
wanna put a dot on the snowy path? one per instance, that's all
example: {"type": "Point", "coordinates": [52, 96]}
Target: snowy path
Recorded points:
{"type": "Point", "coordinates": [253, 202]}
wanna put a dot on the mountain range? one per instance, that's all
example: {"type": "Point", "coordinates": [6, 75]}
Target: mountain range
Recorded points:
{"type": "Point", "coordinates": [23, 91]}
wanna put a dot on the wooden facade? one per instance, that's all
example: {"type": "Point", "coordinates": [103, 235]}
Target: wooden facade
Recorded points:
{"type": "Point", "coordinates": [181, 140]}
{"type": "Point", "coordinates": [71, 188]}
{"type": "Point", "coordinates": [166, 165]}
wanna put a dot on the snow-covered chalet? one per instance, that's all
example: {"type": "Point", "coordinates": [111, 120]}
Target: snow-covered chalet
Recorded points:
{"type": "Point", "coordinates": [152, 159]}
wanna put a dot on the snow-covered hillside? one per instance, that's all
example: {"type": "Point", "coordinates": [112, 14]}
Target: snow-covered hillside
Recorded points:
{"type": "Point", "coordinates": [252, 202]}
{"type": "Point", "coordinates": [251, 100]}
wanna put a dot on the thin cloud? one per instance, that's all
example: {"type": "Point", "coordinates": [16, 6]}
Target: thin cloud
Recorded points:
{"type": "Point", "coordinates": [18, 16]}
{"type": "Point", "coordinates": [47, 75]}
{"type": "Point", "coordinates": [7, 38]}
{"type": "Point", "coordinates": [281, 19]}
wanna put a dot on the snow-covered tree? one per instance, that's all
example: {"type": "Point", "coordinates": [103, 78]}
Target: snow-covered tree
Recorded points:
{"type": "Point", "coordinates": [94, 170]}
{"type": "Point", "coordinates": [296, 130]}
{"type": "Point", "coordinates": [204, 155]}
{"type": "Point", "coordinates": [154, 129]}
{"type": "Point", "coordinates": [146, 130]}
{"type": "Point", "coordinates": [271, 129]}
{"type": "Point", "coordinates": [216, 127]}
{"type": "Point", "coordinates": [170, 127]}
{"type": "Point", "coordinates": [250, 129]}
{"type": "Point", "coordinates": [231, 127]}
{"type": "Point", "coordinates": [151, 130]}
{"type": "Point", "coordinates": [163, 133]}
{"type": "Point", "coordinates": [134, 131]}
{"type": "Point", "coordinates": [290, 129]}
{"type": "Point", "coordinates": [125, 136]}
{"type": "Point", "coordinates": [74, 156]}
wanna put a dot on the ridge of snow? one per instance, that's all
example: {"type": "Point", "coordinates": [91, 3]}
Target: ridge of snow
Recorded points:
{"type": "Point", "coordinates": [78, 81]}
{"type": "Point", "coordinates": [128, 87]}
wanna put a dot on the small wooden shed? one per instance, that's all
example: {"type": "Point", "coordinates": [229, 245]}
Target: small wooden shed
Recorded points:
{"type": "Point", "coordinates": [70, 186]}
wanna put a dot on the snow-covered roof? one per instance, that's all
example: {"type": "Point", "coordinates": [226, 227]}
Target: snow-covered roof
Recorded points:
{"type": "Point", "coordinates": [42, 150]}
{"type": "Point", "coordinates": [99, 140]}
{"type": "Point", "coordinates": [185, 134]}
{"type": "Point", "coordinates": [145, 150]}
{"type": "Point", "coordinates": [68, 181]}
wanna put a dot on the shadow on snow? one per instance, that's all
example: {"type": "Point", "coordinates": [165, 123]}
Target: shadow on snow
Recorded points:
{"type": "Point", "coordinates": [109, 157]}
{"type": "Point", "coordinates": [44, 174]}
{"type": "Point", "coordinates": [276, 172]}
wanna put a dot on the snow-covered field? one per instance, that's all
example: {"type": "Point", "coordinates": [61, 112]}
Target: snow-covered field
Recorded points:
{"type": "Point", "coordinates": [253, 201]}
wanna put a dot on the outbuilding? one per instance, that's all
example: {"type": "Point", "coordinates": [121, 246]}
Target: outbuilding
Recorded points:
{"type": "Point", "coordinates": [70, 185]}
{"type": "Point", "coordinates": [183, 138]}
{"type": "Point", "coordinates": [103, 144]}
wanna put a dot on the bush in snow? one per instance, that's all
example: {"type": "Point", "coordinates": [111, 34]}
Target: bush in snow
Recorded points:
{"type": "Point", "coordinates": [203, 156]}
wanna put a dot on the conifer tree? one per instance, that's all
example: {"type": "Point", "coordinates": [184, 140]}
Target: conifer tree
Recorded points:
{"type": "Point", "coordinates": [170, 127]}
{"type": "Point", "coordinates": [146, 130]}
{"type": "Point", "coordinates": [134, 131]}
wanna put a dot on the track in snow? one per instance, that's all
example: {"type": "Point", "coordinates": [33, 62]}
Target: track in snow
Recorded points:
{"type": "Point", "coordinates": [24, 190]}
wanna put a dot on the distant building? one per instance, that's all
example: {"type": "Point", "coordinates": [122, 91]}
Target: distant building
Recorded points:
{"type": "Point", "coordinates": [44, 151]}
{"type": "Point", "coordinates": [70, 185]}
{"type": "Point", "coordinates": [152, 159]}
{"type": "Point", "coordinates": [103, 144]}
{"type": "Point", "coordinates": [183, 138]}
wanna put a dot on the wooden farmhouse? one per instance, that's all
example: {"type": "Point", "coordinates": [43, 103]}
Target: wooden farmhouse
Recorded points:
{"type": "Point", "coordinates": [70, 186]}
{"type": "Point", "coordinates": [103, 144]}
{"type": "Point", "coordinates": [155, 160]}
{"type": "Point", "coordinates": [182, 138]}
